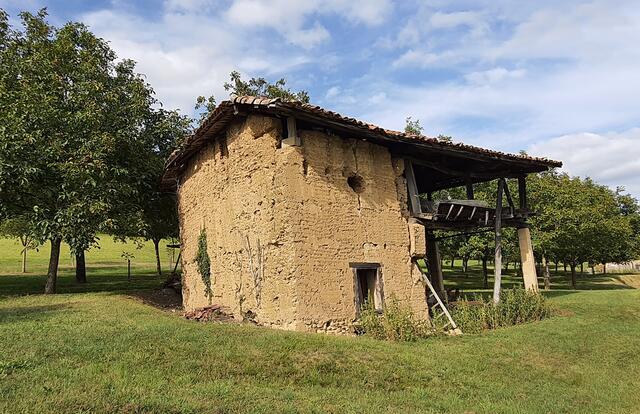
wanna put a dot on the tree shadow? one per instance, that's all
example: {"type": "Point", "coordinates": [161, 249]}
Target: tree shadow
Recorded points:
{"type": "Point", "coordinates": [472, 281]}
{"type": "Point", "coordinates": [31, 312]}
{"type": "Point", "coordinates": [99, 279]}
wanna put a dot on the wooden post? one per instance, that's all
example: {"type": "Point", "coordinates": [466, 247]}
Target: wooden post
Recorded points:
{"type": "Point", "coordinates": [469, 186]}
{"type": "Point", "coordinates": [129, 269]}
{"type": "Point", "coordinates": [497, 281]}
{"type": "Point", "coordinates": [433, 262]}
{"type": "Point", "coordinates": [412, 187]}
{"type": "Point", "coordinates": [528, 261]}
{"type": "Point", "coordinates": [522, 193]}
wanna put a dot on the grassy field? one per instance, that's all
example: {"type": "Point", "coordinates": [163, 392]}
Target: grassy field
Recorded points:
{"type": "Point", "coordinates": [97, 348]}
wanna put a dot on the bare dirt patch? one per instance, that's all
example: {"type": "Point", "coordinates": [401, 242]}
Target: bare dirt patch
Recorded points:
{"type": "Point", "coordinates": [166, 299]}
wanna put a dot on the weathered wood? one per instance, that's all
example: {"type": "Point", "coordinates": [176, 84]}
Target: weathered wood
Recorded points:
{"type": "Point", "coordinates": [481, 175]}
{"type": "Point", "coordinates": [469, 186]}
{"type": "Point", "coordinates": [507, 194]}
{"type": "Point", "coordinates": [497, 281]}
{"type": "Point", "coordinates": [449, 212]}
{"type": "Point", "coordinates": [433, 262]}
{"type": "Point", "coordinates": [292, 133]}
{"type": "Point", "coordinates": [528, 261]}
{"type": "Point", "coordinates": [522, 192]}
{"type": "Point", "coordinates": [412, 188]}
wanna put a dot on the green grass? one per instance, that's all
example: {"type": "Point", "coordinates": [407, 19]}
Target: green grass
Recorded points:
{"type": "Point", "coordinates": [106, 269]}
{"type": "Point", "coordinates": [97, 349]}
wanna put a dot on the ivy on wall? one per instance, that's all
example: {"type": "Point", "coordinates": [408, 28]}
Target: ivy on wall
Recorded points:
{"type": "Point", "coordinates": [204, 262]}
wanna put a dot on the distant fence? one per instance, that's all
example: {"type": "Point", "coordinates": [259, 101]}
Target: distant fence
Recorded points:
{"type": "Point", "coordinates": [627, 267]}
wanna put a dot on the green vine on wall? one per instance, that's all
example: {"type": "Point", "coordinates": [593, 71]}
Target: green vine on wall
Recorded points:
{"type": "Point", "coordinates": [204, 262]}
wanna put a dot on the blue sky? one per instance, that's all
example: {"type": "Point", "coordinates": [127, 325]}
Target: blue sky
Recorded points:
{"type": "Point", "coordinates": [557, 79]}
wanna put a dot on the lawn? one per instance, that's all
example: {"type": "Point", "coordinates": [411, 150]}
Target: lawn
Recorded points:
{"type": "Point", "coordinates": [96, 348]}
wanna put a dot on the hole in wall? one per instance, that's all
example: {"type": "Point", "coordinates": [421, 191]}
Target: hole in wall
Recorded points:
{"type": "Point", "coordinates": [356, 183]}
{"type": "Point", "coordinates": [305, 167]}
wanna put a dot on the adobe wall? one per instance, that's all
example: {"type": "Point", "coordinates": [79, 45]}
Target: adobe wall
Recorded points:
{"type": "Point", "coordinates": [296, 205]}
{"type": "Point", "coordinates": [238, 200]}
{"type": "Point", "coordinates": [336, 226]}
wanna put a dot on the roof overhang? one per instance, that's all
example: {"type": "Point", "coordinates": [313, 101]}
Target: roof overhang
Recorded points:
{"type": "Point", "coordinates": [448, 164]}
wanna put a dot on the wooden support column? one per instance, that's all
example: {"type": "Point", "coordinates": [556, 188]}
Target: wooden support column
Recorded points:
{"type": "Point", "coordinates": [522, 192]}
{"type": "Point", "coordinates": [412, 187]}
{"type": "Point", "coordinates": [497, 281]}
{"type": "Point", "coordinates": [469, 187]}
{"type": "Point", "coordinates": [433, 263]}
{"type": "Point", "coordinates": [528, 261]}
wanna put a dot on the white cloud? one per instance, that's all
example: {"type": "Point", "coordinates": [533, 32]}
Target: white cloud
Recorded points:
{"type": "Point", "coordinates": [609, 158]}
{"type": "Point", "coordinates": [332, 92]}
{"type": "Point", "coordinates": [493, 75]}
{"type": "Point", "coordinates": [290, 17]}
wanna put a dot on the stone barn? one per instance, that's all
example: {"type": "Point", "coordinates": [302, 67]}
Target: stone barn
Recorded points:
{"type": "Point", "coordinates": [306, 213]}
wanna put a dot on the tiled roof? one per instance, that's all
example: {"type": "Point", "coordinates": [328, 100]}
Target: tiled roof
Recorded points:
{"type": "Point", "coordinates": [219, 118]}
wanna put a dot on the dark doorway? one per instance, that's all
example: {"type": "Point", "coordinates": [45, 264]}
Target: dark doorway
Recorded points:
{"type": "Point", "coordinates": [368, 286]}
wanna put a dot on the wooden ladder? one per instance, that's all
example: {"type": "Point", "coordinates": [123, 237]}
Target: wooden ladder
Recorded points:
{"type": "Point", "coordinates": [422, 266]}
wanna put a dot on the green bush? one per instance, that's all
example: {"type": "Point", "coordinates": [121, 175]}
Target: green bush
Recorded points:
{"type": "Point", "coordinates": [395, 323]}
{"type": "Point", "coordinates": [516, 306]}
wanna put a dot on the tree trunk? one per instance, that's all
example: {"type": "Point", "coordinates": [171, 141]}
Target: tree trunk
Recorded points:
{"type": "Point", "coordinates": [24, 259]}
{"type": "Point", "coordinates": [593, 270]}
{"type": "Point", "coordinates": [453, 259]}
{"type": "Point", "coordinates": [156, 243]}
{"type": "Point", "coordinates": [565, 266]}
{"type": "Point", "coordinates": [52, 273]}
{"type": "Point", "coordinates": [546, 276]}
{"type": "Point", "coordinates": [556, 272]}
{"type": "Point", "coordinates": [573, 275]}
{"type": "Point", "coordinates": [485, 273]}
{"type": "Point", "coordinates": [581, 269]}
{"type": "Point", "coordinates": [604, 268]}
{"type": "Point", "coordinates": [81, 268]}
{"type": "Point", "coordinates": [465, 265]}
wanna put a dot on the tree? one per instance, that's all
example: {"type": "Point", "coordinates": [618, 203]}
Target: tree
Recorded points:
{"type": "Point", "coordinates": [72, 118]}
{"type": "Point", "coordinates": [262, 87]}
{"type": "Point", "coordinates": [412, 127]}
{"type": "Point", "coordinates": [20, 229]}
{"type": "Point", "coordinates": [164, 131]}
{"type": "Point", "coordinates": [580, 221]}
{"type": "Point", "coordinates": [204, 106]}
{"type": "Point", "coordinates": [444, 138]}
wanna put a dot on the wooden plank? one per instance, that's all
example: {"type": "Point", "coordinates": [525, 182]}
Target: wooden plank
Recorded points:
{"type": "Point", "coordinates": [497, 281]}
{"type": "Point", "coordinates": [459, 212]}
{"type": "Point", "coordinates": [449, 212]}
{"type": "Point", "coordinates": [412, 187]}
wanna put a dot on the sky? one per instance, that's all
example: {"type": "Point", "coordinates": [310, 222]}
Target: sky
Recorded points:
{"type": "Point", "coordinates": [559, 79]}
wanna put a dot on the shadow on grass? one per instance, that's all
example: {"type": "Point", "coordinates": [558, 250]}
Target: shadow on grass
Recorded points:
{"type": "Point", "coordinates": [99, 279]}
{"type": "Point", "coordinates": [38, 313]}
{"type": "Point", "coordinates": [472, 281]}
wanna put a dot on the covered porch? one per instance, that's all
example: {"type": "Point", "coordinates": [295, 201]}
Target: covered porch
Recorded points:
{"type": "Point", "coordinates": [427, 174]}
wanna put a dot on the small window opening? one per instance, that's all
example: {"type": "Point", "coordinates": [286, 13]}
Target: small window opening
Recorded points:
{"type": "Point", "coordinates": [368, 287]}
{"type": "Point", "coordinates": [356, 183]}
